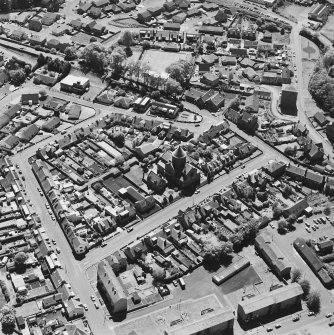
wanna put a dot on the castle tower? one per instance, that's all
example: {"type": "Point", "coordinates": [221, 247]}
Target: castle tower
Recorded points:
{"type": "Point", "coordinates": [179, 160]}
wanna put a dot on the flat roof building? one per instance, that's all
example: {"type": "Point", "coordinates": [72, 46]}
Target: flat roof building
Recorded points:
{"type": "Point", "coordinates": [75, 84]}
{"type": "Point", "coordinates": [270, 303]}
{"type": "Point", "coordinates": [203, 316]}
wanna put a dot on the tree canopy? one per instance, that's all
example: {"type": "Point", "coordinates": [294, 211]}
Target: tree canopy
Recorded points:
{"type": "Point", "coordinates": [20, 259]}
{"type": "Point", "coordinates": [7, 317]}
{"type": "Point", "coordinates": [328, 59]}
{"type": "Point", "coordinates": [180, 71]}
{"type": "Point", "coordinates": [94, 56]}
{"type": "Point", "coordinates": [322, 89]}
{"type": "Point", "coordinates": [295, 275]}
{"type": "Point", "coordinates": [17, 76]}
{"type": "Point", "coordinates": [313, 301]}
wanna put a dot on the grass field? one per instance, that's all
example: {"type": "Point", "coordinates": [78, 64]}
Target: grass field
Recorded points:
{"type": "Point", "coordinates": [328, 28]}
{"type": "Point", "coordinates": [159, 60]}
{"type": "Point", "coordinates": [310, 50]}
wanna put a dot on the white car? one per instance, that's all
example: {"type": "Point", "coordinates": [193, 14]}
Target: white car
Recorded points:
{"type": "Point", "coordinates": [92, 297]}
{"type": "Point", "coordinates": [329, 315]}
{"type": "Point", "coordinates": [85, 307]}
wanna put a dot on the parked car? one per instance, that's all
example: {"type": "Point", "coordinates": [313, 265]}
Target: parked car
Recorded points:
{"type": "Point", "coordinates": [92, 297]}
{"type": "Point", "coordinates": [85, 307]}
{"type": "Point", "coordinates": [278, 325]}
{"type": "Point", "coordinates": [96, 305]}
{"type": "Point", "coordinates": [269, 329]}
{"type": "Point", "coordinates": [129, 230]}
{"type": "Point", "coordinates": [296, 318]}
{"type": "Point", "coordinates": [58, 250]}
{"type": "Point", "coordinates": [310, 313]}
{"type": "Point", "coordinates": [329, 315]}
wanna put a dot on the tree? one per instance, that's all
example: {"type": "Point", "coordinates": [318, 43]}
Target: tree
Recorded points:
{"type": "Point", "coordinates": [277, 210]}
{"type": "Point", "coordinates": [7, 317]}
{"type": "Point", "coordinates": [321, 88]}
{"type": "Point", "coordinates": [295, 275]}
{"type": "Point", "coordinates": [98, 187]}
{"type": "Point", "coordinates": [127, 40]}
{"type": "Point", "coordinates": [156, 95]}
{"type": "Point", "coordinates": [173, 87]}
{"type": "Point", "coordinates": [281, 227]}
{"type": "Point", "coordinates": [313, 301]}
{"type": "Point", "coordinates": [195, 155]}
{"type": "Point", "coordinates": [170, 198]}
{"type": "Point", "coordinates": [17, 76]}
{"type": "Point", "coordinates": [180, 71]}
{"type": "Point", "coordinates": [42, 94]}
{"type": "Point", "coordinates": [282, 31]}
{"type": "Point", "coordinates": [306, 286]}
{"type": "Point", "coordinates": [70, 53]}
{"type": "Point", "coordinates": [95, 57]}
{"type": "Point", "coordinates": [20, 259]}
{"type": "Point", "coordinates": [119, 139]}
{"type": "Point", "coordinates": [287, 191]}
{"type": "Point", "coordinates": [226, 249]}
{"type": "Point", "coordinates": [327, 210]}
{"type": "Point", "coordinates": [289, 150]}
{"type": "Point", "coordinates": [235, 103]}
{"type": "Point", "coordinates": [117, 61]}
{"type": "Point", "coordinates": [158, 275]}
{"type": "Point", "coordinates": [146, 45]}
{"type": "Point", "coordinates": [328, 59]}
{"type": "Point", "coordinates": [272, 27]}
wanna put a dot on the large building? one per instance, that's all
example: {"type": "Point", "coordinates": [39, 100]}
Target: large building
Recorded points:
{"type": "Point", "coordinates": [319, 12]}
{"type": "Point", "coordinates": [191, 317]}
{"type": "Point", "coordinates": [289, 100]}
{"type": "Point", "coordinates": [74, 84]}
{"type": "Point", "coordinates": [273, 303]}
{"type": "Point", "coordinates": [177, 171]}
{"type": "Point", "coordinates": [111, 289]}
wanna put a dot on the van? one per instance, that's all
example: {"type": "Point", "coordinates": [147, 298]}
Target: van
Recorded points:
{"type": "Point", "coordinates": [182, 283]}
{"type": "Point", "coordinates": [4, 260]}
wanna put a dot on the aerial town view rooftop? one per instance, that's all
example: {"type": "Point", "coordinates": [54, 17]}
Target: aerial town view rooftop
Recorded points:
{"type": "Point", "coordinates": [166, 167]}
